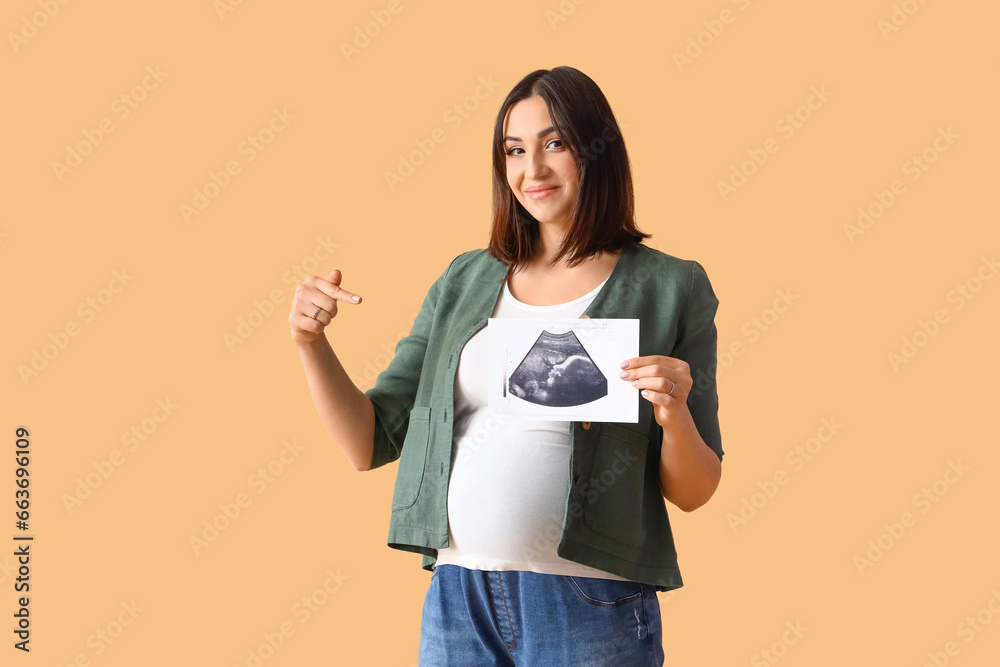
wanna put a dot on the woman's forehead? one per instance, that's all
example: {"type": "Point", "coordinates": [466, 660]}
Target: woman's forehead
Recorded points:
{"type": "Point", "coordinates": [531, 112]}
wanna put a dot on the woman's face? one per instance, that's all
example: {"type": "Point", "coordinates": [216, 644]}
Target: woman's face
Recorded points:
{"type": "Point", "coordinates": [541, 170]}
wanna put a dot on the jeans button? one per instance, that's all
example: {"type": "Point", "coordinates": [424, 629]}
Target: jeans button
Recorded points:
{"type": "Point", "coordinates": [585, 425]}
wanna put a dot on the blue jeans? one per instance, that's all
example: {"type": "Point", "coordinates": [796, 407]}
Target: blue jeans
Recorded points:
{"type": "Point", "coordinates": [483, 618]}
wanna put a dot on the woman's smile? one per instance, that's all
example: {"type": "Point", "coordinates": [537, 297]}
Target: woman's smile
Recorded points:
{"type": "Point", "coordinates": [543, 192]}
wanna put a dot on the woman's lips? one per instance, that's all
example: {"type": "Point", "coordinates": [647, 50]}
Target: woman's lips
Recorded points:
{"type": "Point", "coordinates": [542, 193]}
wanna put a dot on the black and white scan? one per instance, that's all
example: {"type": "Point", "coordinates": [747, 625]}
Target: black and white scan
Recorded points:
{"type": "Point", "coordinates": [558, 372]}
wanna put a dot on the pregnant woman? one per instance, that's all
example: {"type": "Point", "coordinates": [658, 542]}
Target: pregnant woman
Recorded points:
{"type": "Point", "coordinates": [547, 541]}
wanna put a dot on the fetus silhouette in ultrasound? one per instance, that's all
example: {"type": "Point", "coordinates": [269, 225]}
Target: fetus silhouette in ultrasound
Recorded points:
{"type": "Point", "coordinates": [558, 372]}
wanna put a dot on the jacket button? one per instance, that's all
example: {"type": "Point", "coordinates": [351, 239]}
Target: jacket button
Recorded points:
{"type": "Point", "coordinates": [585, 425]}
{"type": "Point", "coordinates": [585, 317]}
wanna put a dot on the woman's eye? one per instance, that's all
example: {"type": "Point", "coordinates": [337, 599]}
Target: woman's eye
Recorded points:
{"type": "Point", "coordinates": [510, 151]}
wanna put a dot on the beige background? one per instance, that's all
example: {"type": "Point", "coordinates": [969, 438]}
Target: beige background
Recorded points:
{"type": "Point", "coordinates": [316, 198]}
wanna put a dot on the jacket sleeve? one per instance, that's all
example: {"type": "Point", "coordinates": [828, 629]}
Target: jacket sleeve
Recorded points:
{"type": "Point", "coordinates": [696, 343]}
{"type": "Point", "coordinates": [395, 388]}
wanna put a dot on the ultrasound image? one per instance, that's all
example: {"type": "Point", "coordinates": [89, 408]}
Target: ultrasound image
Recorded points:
{"type": "Point", "coordinates": [558, 372]}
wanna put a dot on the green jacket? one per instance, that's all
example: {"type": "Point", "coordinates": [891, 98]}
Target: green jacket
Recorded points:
{"type": "Point", "coordinates": [615, 514]}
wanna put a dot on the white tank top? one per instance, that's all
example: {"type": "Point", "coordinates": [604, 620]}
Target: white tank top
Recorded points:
{"type": "Point", "coordinates": [508, 482]}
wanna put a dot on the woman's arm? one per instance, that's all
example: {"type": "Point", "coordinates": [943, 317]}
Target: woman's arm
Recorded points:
{"type": "Point", "coordinates": [344, 409]}
{"type": "Point", "coordinates": [689, 470]}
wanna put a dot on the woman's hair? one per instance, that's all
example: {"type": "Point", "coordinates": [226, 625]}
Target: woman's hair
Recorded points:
{"type": "Point", "coordinates": [603, 215]}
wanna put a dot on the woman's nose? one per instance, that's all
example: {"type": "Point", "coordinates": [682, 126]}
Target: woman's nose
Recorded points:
{"type": "Point", "coordinates": [536, 166]}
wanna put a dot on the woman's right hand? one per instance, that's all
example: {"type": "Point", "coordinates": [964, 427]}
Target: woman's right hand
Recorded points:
{"type": "Point", "coordinates": [319, 297]}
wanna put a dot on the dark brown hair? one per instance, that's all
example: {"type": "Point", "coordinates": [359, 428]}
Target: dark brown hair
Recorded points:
{"type": "Point", "coordinates": [603, 217]}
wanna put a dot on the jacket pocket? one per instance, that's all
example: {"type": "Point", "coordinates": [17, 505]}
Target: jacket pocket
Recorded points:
{"type": "Point", "coordinates": [411, 459]}
{"type": "Point", "coordinates": [615, 484]}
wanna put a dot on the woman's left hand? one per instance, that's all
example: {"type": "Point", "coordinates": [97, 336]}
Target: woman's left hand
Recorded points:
{"type": "Point", "coordinates": [653, 376]}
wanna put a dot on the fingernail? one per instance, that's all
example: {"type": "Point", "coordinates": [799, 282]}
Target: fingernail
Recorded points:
{"type": "Point", "coordinates": [355, 298]}
{"type": "Point", "coordinates": [625, 364]}
{"type": "Point", "coordinates": [623, 374]}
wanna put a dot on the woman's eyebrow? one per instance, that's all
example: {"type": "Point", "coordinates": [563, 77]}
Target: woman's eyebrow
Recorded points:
{"type": "Point", "coordinates": [539, 135]}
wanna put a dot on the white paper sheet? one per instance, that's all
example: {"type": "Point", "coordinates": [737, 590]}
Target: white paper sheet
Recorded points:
{"type": "Point", "coordinates": [562, 369]}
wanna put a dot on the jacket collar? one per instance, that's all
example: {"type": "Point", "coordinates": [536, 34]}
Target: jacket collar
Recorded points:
{"type": "Point", "coordinates": [607, 302]}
